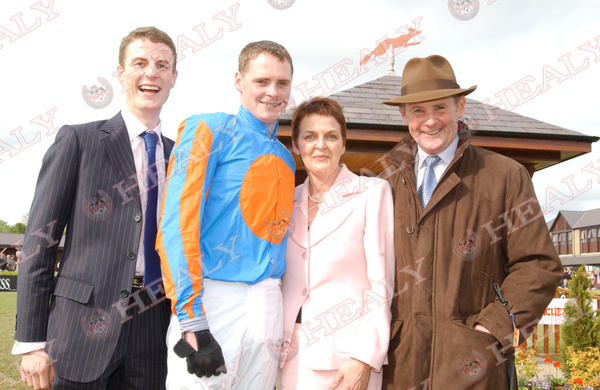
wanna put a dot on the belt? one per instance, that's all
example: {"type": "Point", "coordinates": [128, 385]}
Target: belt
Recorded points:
{"type": "Point", "coordinates": [138, 281]}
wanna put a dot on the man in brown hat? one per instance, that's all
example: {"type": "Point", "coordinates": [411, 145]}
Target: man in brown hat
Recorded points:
{"type": "Point", "coordinates": [467, 223]}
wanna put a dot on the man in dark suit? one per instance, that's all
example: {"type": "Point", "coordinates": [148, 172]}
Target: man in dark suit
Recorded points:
{"type": "Point", "coordinates": [101, 322]}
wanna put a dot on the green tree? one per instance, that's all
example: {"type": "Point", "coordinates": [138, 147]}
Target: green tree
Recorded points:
{"type": "Point", "coordinates": [581, 326]}
{"type": "Point", "coordinates": [17, 228]}
{"type": "Point", "coordinates": [4, 226]}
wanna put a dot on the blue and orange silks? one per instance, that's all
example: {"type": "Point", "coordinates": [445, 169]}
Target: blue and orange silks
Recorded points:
{"type": "Point", "coordinates": [227, 204]}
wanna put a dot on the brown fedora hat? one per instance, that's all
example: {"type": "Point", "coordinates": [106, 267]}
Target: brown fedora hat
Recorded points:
{"type": "Point", "coordinates": [425, 79]}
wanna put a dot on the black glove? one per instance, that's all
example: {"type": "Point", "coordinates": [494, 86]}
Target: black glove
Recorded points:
{"type": "Point", "coordinates": [207, 360]}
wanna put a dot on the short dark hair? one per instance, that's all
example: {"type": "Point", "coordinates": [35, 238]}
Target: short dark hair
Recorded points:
{"type": "Point", "coordinates": [318, 106]}
{"type": "Point", "coordinates": [151, 33]}
{"type": "Point", "coordinates": [254, 49]}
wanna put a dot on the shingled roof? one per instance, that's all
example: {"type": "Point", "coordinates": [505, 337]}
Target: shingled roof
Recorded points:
{"type": "Point", "coordinates": [363, 105]}
{"type": "Point", "coordinates": [375, 128]}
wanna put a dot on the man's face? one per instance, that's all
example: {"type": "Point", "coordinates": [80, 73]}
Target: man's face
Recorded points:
{"type": "Point", "coordinates": [433, 124]}
{"type": "Point", "coordinates": [265, 87]}
{"type": "Point", "coordinates": [147, 74]}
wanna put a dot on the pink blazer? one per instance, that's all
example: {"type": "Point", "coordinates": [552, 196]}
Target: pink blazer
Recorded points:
{"type": "Point", "coordinates": [341, 272]}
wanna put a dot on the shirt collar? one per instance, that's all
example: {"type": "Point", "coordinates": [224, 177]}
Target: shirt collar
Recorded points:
{"type": "Point", "coordinates": [446, 155]}
{"type": "Point", "coordinates": [255, 124]}
{"type": "Point", "coordinates": [135, 127]}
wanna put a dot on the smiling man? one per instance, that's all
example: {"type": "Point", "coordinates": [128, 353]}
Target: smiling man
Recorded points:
{"type": "Point", "coordinates": [466, 220]}
{"type": "Point", "coordinates": [101, 322]}
{"type": "Point", "coordinates": [227, 206]}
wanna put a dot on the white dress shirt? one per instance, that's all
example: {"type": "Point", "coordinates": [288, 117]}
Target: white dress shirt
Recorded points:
{"type": "Point", "coordinates": [445, 159]}
{"type": "Point", "coordinates": [138, 146]}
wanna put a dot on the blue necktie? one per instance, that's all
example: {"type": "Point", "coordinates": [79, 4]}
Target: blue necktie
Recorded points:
{"type": "Point", "coordinates": [152, 261]}
{"type": "Point", "coordinates": [429, 180]}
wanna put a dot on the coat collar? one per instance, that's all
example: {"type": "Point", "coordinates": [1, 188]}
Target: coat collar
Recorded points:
{"type": "Point", "coordinates": [332, 212]}
{"type": "Point", "coordinates": [403, 156]}
{"type": "Point", "coordinates": [257, 125]}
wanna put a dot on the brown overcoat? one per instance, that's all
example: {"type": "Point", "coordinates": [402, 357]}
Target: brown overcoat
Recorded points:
{"type": "Point", "coordinates": [483, 225]}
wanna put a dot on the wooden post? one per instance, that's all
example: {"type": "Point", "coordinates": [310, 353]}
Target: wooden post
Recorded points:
{"type": "Point", "coordinates": [546, 330]}
{"type": "Point", "coordinates": [557, 339]}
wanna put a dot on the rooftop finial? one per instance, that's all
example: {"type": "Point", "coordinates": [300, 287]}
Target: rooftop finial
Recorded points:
{"type": "Point", "coordinates": [391, 63]}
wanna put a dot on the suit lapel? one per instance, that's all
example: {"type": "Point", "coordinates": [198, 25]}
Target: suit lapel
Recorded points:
{"type": "Point", "coordinates": [167, 148]}
{"type": "Point", "coordinates": [299, 223]}
{"type": "Point", "coordinates": [336, 207]}
{"type": "Point", "coordinates": [118, 147]}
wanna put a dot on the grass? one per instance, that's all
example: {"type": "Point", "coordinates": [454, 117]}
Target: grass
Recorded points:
{"type": "Point", "coordinates": [540, 341]}
{"type": "Point", "coordinates": [9, 374]}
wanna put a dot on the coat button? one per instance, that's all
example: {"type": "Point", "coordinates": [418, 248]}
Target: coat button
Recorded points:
{"type": "Point", "coordinates": [124, 293]}
{"type": "Point", "coordinates": [410, 229]}
{"type": "Point", "coordinates": [137, 218]}
{"type": "Point", "coordinates": [304, 256]}
{"type": "Point", "coordinates": [131, 256]}
{"type": "Point", "coordinates": [404, 181]}
{"type": "Point", "coordinates": [304, 292]}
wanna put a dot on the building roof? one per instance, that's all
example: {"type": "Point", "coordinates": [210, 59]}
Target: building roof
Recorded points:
{"type": "Point", "coordinates": [578, 219]}
{"type": "Point", "coordinates": [571, 217]}
{"type": "Point", "coordinates": [588, 219]}
{"type": "Point", "coordinates": [11, 239]}
{"type": "Point", "coordinates": [375, 128]}
{"type": "Point", "coordinates": [570, 260]}
{"type": "Point", "coordinates": [363, 105]}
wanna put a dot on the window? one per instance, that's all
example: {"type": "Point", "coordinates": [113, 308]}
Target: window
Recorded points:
{"type": "Point", "coordinates": [570, 236]}
{"type": "Point", "coordinates": [592, 235]}
{"type": "Point", "coordinates": [583, 239]}
{"type": "Point", "coordinates": [555, 238]}
{"type": "Point", "coordinates": [563, 238]}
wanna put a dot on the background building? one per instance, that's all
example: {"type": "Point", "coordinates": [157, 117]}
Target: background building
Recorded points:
{"type": "Point", "coordinates": [575, 235]}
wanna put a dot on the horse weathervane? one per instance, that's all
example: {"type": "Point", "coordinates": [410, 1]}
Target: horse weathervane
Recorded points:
{"type": "Point", "coordinates": [394, 43]}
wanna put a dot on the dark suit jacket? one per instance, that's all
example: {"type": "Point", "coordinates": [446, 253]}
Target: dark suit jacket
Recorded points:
{"type": "Point", "coordinates": [87, 182]}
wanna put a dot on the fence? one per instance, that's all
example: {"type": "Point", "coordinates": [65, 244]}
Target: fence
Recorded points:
{"type": "Point", "coordinates": [550, 334]}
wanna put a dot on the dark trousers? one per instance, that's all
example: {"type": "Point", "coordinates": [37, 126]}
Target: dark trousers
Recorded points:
{"type": "Point", "coordinates": [140, 358]}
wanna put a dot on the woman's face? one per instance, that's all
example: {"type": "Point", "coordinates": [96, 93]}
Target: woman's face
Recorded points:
{"type": "Point", "coordinates": [320, 144]}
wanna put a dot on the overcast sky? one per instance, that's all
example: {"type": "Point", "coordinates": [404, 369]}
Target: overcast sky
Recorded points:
{"type": "Point", "coordinates": [51, 50]}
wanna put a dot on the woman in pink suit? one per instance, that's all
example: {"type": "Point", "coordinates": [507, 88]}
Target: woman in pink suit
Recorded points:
{"type": "Point", "coordinates": [340, 262]}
